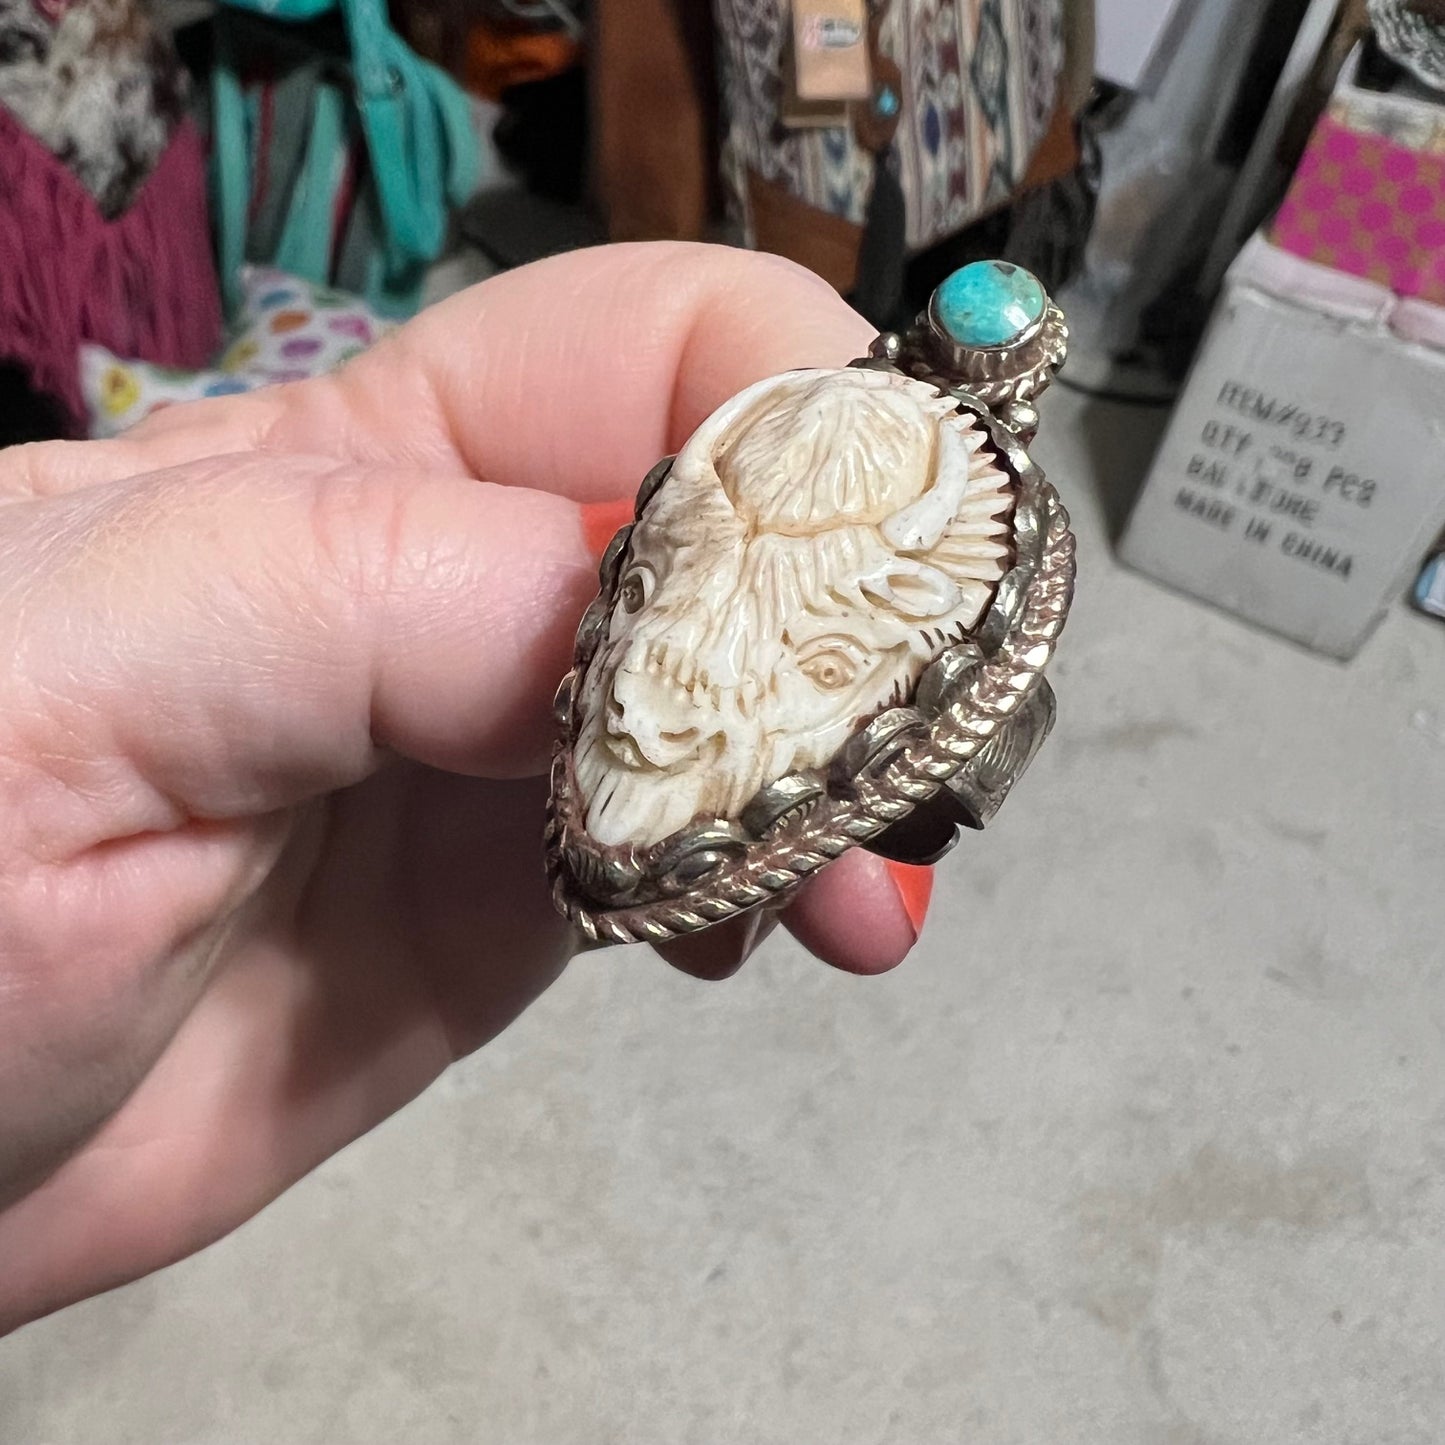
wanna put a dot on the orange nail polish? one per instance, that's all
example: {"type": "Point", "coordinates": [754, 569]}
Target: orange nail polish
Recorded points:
{"type": "Point", "coordinates": [915, 887]}
{"type": "Point", "coordinates": [602, 520]}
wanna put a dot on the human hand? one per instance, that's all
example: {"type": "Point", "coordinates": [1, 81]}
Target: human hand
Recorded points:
{"type": "Point", "coordinates": [271, 737]}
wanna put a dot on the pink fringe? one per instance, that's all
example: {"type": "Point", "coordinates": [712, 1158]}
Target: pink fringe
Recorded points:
{"type": "Point", "coordinates": [142, 285]}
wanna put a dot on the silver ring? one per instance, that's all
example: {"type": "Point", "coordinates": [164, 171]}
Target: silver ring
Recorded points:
{"type": "Point", "coordinates": [826, 627]}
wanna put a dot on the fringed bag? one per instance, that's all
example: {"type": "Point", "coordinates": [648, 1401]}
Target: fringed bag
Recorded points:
{"type": "Point", "coordinates": [337, 153]}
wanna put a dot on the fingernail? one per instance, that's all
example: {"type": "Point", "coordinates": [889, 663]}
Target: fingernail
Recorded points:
{"type": "Point", "coordinates": [601, 522]}
{"type": "Point", "coordinates": [915, 887]}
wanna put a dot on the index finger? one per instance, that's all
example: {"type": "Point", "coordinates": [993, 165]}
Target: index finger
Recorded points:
{"type": "Point", "coordinates": [573, 376]}
{"type": "Point", "coordinates": [576, 374]}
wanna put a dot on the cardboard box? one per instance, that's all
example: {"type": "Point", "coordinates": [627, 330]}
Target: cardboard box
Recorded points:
{"type": "Point", "coordinates": [1301, 480]}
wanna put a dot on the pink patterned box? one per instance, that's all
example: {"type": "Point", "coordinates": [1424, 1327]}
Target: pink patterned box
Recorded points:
{"type": "Point", "coordinates": [1368, 197]}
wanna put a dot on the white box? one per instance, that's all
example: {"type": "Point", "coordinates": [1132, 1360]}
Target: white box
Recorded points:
{"type": "Point", "coordinates": [1302, 476]}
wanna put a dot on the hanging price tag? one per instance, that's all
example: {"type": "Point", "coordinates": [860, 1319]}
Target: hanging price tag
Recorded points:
{"type": "Point", "coordinates": [830, 50]}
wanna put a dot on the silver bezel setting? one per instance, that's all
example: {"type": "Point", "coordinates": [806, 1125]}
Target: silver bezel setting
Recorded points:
{"type": "Point", "coordinates": [975, 719]}
{"type": "Point", "coordinates": [910, 778]}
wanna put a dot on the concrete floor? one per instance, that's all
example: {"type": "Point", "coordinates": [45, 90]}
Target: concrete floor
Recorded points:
{"type": "Point", "coordinates": [1143, 1146]}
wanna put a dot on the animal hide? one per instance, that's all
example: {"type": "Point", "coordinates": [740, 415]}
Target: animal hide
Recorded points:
{"type": "Point", "coordinates": [98, 84]}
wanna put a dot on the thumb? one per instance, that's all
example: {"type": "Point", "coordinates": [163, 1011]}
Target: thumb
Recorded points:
{"type": "Point", "coordinates": [227, 637]}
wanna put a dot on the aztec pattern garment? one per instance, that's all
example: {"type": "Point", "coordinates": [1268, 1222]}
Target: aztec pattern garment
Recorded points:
{"type": "Point", "coordinates": [980, 81]}
{"type": "Point", "coordinates": [97, 84]}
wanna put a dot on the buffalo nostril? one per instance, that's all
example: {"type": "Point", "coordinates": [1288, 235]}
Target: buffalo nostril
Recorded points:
{"type": "Point", "coordinates": [679, 739]}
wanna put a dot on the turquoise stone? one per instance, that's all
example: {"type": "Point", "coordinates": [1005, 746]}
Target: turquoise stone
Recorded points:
{"type": "Point", "coordinates": [888, 101]}
{"type": "Point", "coordinates": [989, 303]}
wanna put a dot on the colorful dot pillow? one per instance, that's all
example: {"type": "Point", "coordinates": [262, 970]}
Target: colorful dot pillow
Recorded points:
{"type": "Point", "coordinates": [289, 330]}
